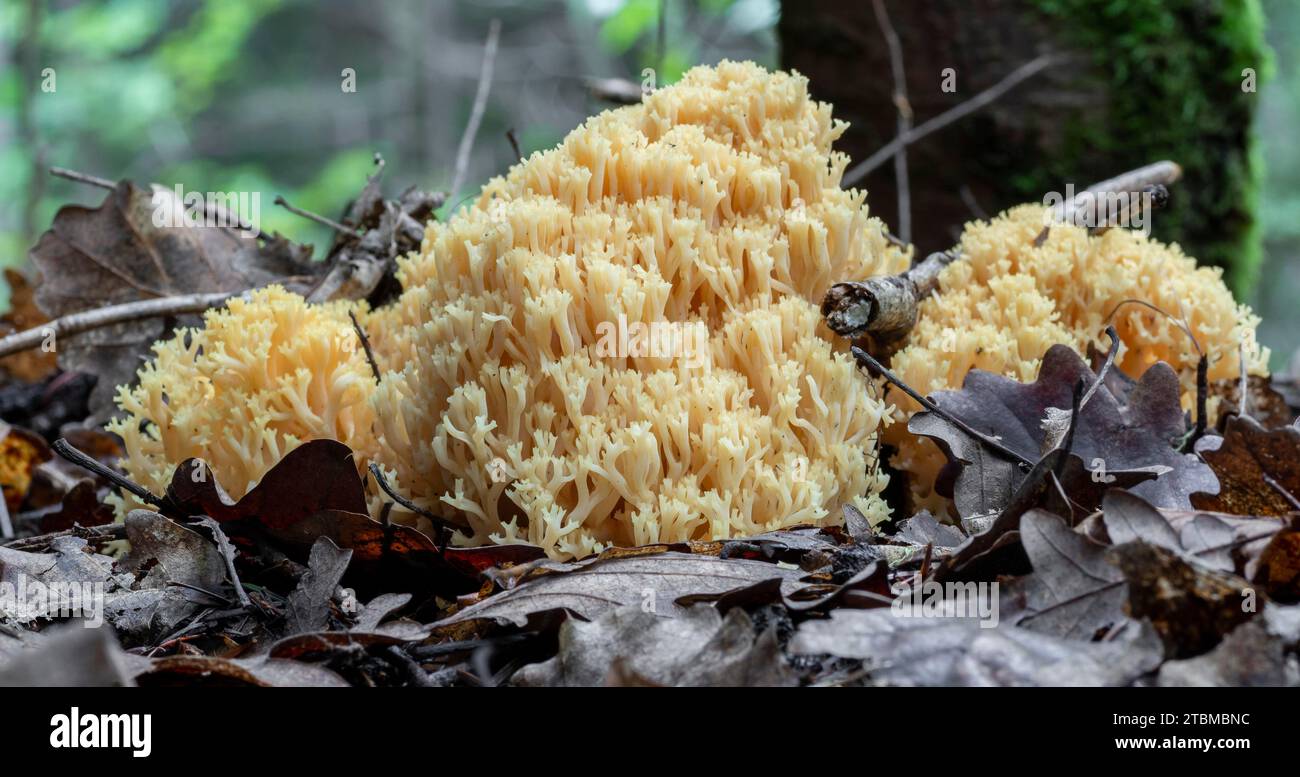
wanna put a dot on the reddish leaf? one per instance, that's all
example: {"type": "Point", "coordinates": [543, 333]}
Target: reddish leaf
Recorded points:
{"type": "Point", "coordinates": [317, 475]}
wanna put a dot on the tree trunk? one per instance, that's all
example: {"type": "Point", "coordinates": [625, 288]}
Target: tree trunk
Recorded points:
{"type": "Point", "coordinates": [1138, 81]}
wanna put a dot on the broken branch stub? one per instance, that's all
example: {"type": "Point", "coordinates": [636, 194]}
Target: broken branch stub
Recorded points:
{"type": "Point", "coordinates": [885, 306]}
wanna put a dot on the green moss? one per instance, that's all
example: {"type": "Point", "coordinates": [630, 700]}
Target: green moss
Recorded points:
{"type": "Point", "coordinates": [1174, 78]}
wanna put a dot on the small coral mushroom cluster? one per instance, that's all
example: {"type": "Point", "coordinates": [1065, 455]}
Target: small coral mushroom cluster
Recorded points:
{"type": "Point", "coordinates": [712, 207]}
{"type": "Point", "coordinates": [1015, 293]}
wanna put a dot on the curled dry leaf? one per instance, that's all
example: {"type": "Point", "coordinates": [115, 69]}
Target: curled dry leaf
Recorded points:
{"type": "Point", "coordinates": [309, 603]}
{"type": "Point", "coordinates": [317, 475]}
{"type": "Point", "coordinates": [20, 453]}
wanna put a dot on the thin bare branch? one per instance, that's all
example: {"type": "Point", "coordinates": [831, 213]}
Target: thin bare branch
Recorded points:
{"type": "Point", "coordinates": [867, 360]}
{"type": "Point", "coordinates": [886, 306]}
{"type": "Point", "coordinates": [73, 175]}
{"type": "Point", "coordinates": [901, 181]}
{"type": "Point", "coordinates": [365, 345]}
{"type": "Point", "coordinates": [69, 452]}
{"type": "Point", "coordinates": [1150, 180]}
{"type": "Point", "coordinates": [76, 323]}
{"type": "Point", "coordinates": [6, 523]}
{"type": "Point", "coordinates": [984, 98]}
{"type": "Point", "coordinates": [476, 113]}
{"type": "Point", "coordinates": [316, 217]}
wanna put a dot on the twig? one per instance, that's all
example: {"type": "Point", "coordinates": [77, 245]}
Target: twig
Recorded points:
{"type": "Point", "coordinates": [6, 523]}
{"type": "Point", "coordinates": [870, 363]}
{"type": "Point", "coordinates": [1105, 366]}
{"type": "Point", "coordinates": [476, 113]}
{"type": "Point", "coordinates": [365, 345]}
{"type": "Point", "coordinates": [210, 207]}
{"type": "Point", "coordinates": [514, 143]}
{"type": "Point", "coordinates": [66, 450]}
{"type": "Point", "coordinates": [1244, 382]}
{"type": "Point", "coordinates": [885, 305]}
{"type": "Point", "coordinates": [115, 531]}
{"type": "Point", "coordinates": [901, 181]}
{"type": "Point", "coordinates": [76, 323]}
{"type": "Point", "coordinates": [1067, 445]}
{"type": "Point", "coordinates": [1281, 489]}
{"type": "Point", "coordinates": [73, 175]}
{"type": "Point", "coordinates": [444, 526]}
{"type": "Point", "coordinates": [319, 219]}
{"type": "Point", "coordinates": [1012, 79]}
{"type": "Point", "coordinates": [968, 198]}
{"type": "Point", "coordinates": [661, 36]}
{"type": "Point", "coordinates": [1140, 184]}
{"type": "Point", "coordinates": [1202, 398]}
{"type": "Point", "coordinates": [227, 553]}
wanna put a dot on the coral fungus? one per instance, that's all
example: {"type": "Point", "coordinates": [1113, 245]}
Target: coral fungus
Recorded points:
{"type": "Point", "coordinates": [714, 206]}
{"type": "Point", "coordinates": [261, 376]}
{"type": "Point", "coordinates": [1013, 295]}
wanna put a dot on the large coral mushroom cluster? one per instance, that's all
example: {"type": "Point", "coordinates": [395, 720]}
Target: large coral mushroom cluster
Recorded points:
{"type": "Point", "coordinates": [263, 375]}
{"type": "Point", "coordinates": [714, 204]}
{"type": "Point", "coordinates": [1013, 295]}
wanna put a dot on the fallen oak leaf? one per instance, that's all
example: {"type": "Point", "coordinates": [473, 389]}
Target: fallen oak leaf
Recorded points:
{"type": "Point", "coordinates": [960, 651]}
{"type": "Point", "coordinates": [1129, 517]}
{"type": "Point", "coordinates": [1132, 437]}
{"type": "Point", "coordinates": [1190, 605]}
{"type": "Point", "coordinates": [309, 603]}
{"type": "Point", "coordinates": [119, 252]}
{"type": "Point", "coordinates": [1277, 567]}
{"type": "Point", "coordinates": [701, 647]}
{"type": "Point", "coordinates": [1258, 469]}
{"type": "Point", "coordinates": [81, 506]}
{"type": "Point", "coordinates": [261, 671]}
{"type": "Point", "coordinates": [1074, 590]}
{"type": "Point", "coordinates": [590, 588]}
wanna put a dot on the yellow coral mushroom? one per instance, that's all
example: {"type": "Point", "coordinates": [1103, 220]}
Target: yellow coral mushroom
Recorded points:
{"type": "Point", "coordinates": [1007, 300]}
{"type": "Point", "coordinates": [617, 344]}
{"type": "Point", "coordinates": [261, 376]}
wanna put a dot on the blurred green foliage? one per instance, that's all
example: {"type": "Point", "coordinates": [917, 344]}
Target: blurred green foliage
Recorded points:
{"type": "Point", "coordinates": [1176, 75]}
{"type": "Point", "coordinates": [243, 95]}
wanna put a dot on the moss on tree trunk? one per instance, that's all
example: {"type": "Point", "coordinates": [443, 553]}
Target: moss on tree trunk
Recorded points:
{"type": "Point", "coordinates": [1143, 80]}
